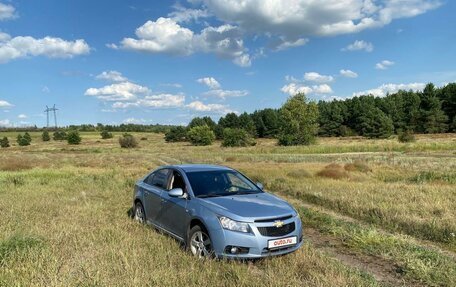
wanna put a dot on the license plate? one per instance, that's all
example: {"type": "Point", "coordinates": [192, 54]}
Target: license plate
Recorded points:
{"type": "Point", "coordinates": [282, 242]}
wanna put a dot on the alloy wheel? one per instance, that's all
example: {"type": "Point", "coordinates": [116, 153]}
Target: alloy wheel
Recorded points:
{"type": "Point", "coordinates": [139, 213]}
{"type": "Point", "coordinates": [200, 245]}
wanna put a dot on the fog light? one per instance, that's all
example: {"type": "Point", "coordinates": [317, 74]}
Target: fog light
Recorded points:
{"type": "Point", "coordinates": [236, 250]}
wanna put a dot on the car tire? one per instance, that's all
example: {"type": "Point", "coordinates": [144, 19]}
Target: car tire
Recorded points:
{"type": "Point", "coordinates": [138, 214]}
{"type": "Point", "coordinates": [199, 243]}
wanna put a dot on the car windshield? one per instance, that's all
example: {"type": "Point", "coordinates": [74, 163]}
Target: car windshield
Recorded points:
{"type": "Point", "coordinates": [220, 183]}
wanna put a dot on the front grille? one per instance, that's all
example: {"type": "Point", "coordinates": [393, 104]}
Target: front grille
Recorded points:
{"type": "Point", "coordinates": [272, 231]}
{"type": "Point", "coordinates": [274, 219]}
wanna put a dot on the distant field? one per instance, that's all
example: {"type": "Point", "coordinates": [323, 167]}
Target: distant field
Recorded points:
{"type": "Point", "coordinates": [376, 213]}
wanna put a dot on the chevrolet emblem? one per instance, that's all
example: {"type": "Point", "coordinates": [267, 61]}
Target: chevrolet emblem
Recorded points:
{"type": "Point", "coordinates": [278, 223]}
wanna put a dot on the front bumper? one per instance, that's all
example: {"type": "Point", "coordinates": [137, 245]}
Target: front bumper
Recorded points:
{"type": "Point", "coordinates": [256, 243]}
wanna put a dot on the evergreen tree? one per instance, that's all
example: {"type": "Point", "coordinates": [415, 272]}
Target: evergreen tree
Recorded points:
{"type": "Point", "coordinates": [176, 134]}
{"type": "Point", "coordinates": [376, 124]}
{"type": "Point", "coordinates": [447, 96]}
{"type": "Point", "coordinates": [4, 142]}
{"type": "Point", "coordinates": [246, 123]}
{"type": "Point", "coordinates": [73, 138]}
{"type": "Point", "coordinates": [22, 140]}
{"type": "Point", "coordinates": [106, 135]}
{"type": "Point", "coordinates": [433, 118]}
{"type": "Point", "coordinates": [45, 136]}
{"type": "Point", "coordinates": [27, 137]}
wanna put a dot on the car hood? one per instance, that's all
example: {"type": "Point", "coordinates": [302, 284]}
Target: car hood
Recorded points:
{"type": "Point", "coordinates": [249, 207]}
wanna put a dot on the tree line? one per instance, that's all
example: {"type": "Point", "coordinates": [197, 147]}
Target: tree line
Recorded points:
{"type": "Point", "coordinates": [298, 121]}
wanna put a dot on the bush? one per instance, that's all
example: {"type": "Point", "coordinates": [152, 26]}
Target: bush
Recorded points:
{"type": "Point", "coordinates": [106, 135]}
{"type": "Point", "coordinates": [237, 137]}
{"type": "Point", "coordinates": [28, 137]}
{"type": "Point", "coordinates": [176, 134]}
{"type": "Point", "coordinates": [405, 136]}
{"type": "Point", "coordinates": [143, 138]}
{"type": "Point", "coordinates": [4, 142]}
{"type": "Point", "coordinates": [201, 135]}
{"type": "Point", "coordinates": [128, 141]}
{"type": "Point", "coordinates": [74, 137]}
{"type": "Point", "coordinates": [45, 136]}
{"type": "Point", "coordinates": [333, 171]}
{"type": "Point", "coordinates": [59, 135]}
{"type": "Point", "coordinates": [23, 140]}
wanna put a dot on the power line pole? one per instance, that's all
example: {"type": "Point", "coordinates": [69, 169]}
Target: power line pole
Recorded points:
{"type": "Point", "coordinates": [47, 116]}
{"type": "Point", "coordinates": [55, 116]}
{"type": "Point", "coordinates": [53, 109]}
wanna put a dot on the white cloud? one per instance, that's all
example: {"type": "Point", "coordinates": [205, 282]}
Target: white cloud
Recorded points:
{"type": "Point", "coordinates": [223, 94]}
{"type": "Point", "coordinates": [210, 82]}
{"type": "Point", "coordinates": [182, 14]}
{"type": "Point", "coordinates": [285, 44]}
{"type": "Point", "coordinates": [5, 123]}
{"type": "Point", "coordinates": [348, 73]}
{"type": "Point", "coordinates": [125, 91]}
{"type": "Point", "coordinates": [172, 85]}
{"type": "Point", "coordinates": [211, 108]}
{"type": "Point", "coordinates": [22, 116]}
{"type": "Point", "coordinates": [5, 104]}
{"type": "Point", "coordinates": [7, 12]}
{"type": "Point", "coordinates": [359, 46]}
{"type": "Point", "coordinates": [112, 76]}
{"type": "Point", "coordinates": [161, 36]}
{"type": "Point", "coordinates": [165, 35]}
{"type": "Point", "coordinates": [316, 77]}
{"type": "Point", "coordinates": [134, 121]}
{"type": "Point", "coordinates": [383, 65]}
{"type": "Point", "coordinates": [322, 89]}
{"type": "Point", "coordinates": [21, 47]}
{"type": "Point", "coordinates": [153, 101]}
{"type": "Point", "coordinates": [295, 18]}
{"type": "Point", "coordinates": [296, 88]}
{"type": "Point", "coordinates": [384, 89]}
{"type": "Point", "coordinates": [45, 89]}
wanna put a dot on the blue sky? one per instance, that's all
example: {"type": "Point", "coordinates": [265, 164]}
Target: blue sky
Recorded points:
{"type": "Point", "coordinates": [168, 61]}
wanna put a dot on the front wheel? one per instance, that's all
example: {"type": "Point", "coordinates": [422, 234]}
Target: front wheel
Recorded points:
{"type": "Point", "coordinates": [200, 243]}
{"type": "Point", "coordinates": [139, 214]}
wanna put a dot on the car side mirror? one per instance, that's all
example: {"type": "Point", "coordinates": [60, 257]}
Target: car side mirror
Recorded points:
{"type": "Point", "coordinates": [176, 192]}
{"type": "Point", "coordinates": [260, 185]}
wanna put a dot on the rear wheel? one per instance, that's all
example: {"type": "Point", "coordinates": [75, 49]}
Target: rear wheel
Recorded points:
{"type": "Point", "coordinates": [139, 214]}
{"type": "Point", "coordinates": [200, 243]}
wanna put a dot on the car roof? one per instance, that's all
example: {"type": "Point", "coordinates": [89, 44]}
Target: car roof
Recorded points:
{"type": "Point", "coordinates": [199, 167]}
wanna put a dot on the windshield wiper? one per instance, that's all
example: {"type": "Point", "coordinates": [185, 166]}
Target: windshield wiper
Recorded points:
{"type": "Point", "coordinates": [245, 192]}
{"type": "Point", "coordinates": [208, 195]}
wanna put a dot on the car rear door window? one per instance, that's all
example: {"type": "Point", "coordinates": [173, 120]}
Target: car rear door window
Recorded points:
{"type": "Point", "coordinates": [160, 178]}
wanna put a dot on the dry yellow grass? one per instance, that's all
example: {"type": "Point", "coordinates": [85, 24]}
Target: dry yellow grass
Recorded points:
{"type": "Point", "coordinates": [64, 208]}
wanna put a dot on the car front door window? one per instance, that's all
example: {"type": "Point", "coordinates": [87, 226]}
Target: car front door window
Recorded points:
{"type": "Point", "coordinates": [160, 179]}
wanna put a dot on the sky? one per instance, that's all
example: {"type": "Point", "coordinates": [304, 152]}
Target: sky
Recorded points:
{"type": "Point", "coordinates": [166, 62]}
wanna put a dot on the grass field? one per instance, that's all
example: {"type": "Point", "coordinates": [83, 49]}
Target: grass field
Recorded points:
{"type": "Point", "coordinates": [376, 213]}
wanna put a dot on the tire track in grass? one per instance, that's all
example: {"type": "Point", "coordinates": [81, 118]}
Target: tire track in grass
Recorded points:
{"type": "Point", "coordinates": [391, 259]}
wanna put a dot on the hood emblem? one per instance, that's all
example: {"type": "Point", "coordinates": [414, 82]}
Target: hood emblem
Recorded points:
{"type": "Point", "coordinates": [278, 223]}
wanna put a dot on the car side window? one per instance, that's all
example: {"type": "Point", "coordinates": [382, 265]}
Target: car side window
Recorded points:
{"type": "Point", "coordinates": [177, 181]}
{"type": "Point", "coordinates": [148, 179]}
{"type": "Point", "coordinates": [160, 178]}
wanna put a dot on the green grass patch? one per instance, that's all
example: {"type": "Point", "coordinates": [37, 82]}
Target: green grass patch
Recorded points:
{"type": "Point", "coordinates": [17, 244]}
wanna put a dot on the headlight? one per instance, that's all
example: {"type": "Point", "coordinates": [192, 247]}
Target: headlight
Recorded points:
{"type": "Point", "coordinates": [230, 224]}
